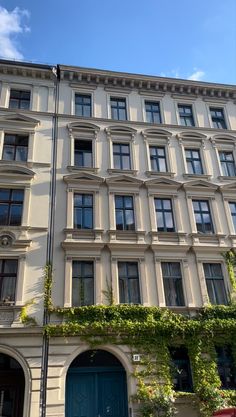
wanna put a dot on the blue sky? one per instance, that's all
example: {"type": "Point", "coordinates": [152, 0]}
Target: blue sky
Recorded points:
{"type": "Point", "coordinates": [193, 39]}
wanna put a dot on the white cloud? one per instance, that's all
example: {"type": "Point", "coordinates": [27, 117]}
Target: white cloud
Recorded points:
{"type": "Point", "coordinates": [197, 75]}
{"type": "Point", "coordinates": [11, 25]}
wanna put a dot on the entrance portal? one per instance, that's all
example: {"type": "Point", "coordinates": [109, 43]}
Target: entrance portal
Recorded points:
{"type": "Point", "coordinates": [12, 387]}
{"type": "Point", "coordinates": [96, 386]}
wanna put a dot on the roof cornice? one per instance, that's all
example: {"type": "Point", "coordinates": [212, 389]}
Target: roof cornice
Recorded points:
{"type": "Point", "coordinates": [25, 69]}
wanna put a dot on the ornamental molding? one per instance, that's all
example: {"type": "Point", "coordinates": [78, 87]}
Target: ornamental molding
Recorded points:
{"type": "Point", "coordinates": [28, 70]}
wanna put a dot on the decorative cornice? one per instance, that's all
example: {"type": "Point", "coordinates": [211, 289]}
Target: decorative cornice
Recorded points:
{"type": "Point", "coordinates": [25, 69]}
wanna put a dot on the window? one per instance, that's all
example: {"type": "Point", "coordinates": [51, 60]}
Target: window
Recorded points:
{"type": "Point", "coordinates": [203, 216]}
{"type": "Point", "coordinates": [193, 159]}
{"type": "Point", "coordinates": [83, 211]}
{"type": "Point", "coordinates": [128, 282]}
{"type": "Point", "coordinates": [158, 158]}
{"type": "Point", "coordinates": [164, 215]}
{"type": "Point", "coordinates": [226, 368]}
{"type": "Point", "coordinates": [82, 283]}
{"type": "Point", "coordinates": [11, 206]}
{"type": "Point", "coordinates": [83, 105]}
{"type": "Point", "coordinates": [186, 115]}
{"type": "Point", "coordinates": [124, 212]}
{"type": "Point", "coordinates": [8, 274]}
{"type": "Point", "coordinates": [83, 153]}
{"type": "Point", "coordinates": [215, 283]}
{"type": "Point", "coordinates": [227, 163]}
{"type": "Point", "coordinates": [19, 99]}
{"type": "Point", "coordinates": [218, 119]}
{"type": "Point", "coordinates": [15, 148]}
{"type": "Point", "coordinates": [173, 287]}
{"type": "Point", "coordinates": [232, 206]}
{"type": "Point", "coordinates": [153, 114]}
{"type": "Point", "coordinates": [182, 377]}
{"type": "Point", "coordinates": [118, 108]}
{"type": "Point", "coordinates": [121, 156]}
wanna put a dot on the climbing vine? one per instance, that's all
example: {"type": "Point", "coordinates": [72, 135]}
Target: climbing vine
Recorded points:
{"type": "Point", "coordinates": [24, 317]}
{"type": "Point", "coordinates": [48, 287]}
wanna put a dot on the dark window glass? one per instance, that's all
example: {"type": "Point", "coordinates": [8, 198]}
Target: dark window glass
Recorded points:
{"type": "Point", "coordinates": [226, 367]}
{"type": "Point", "coordinates": [233, 213]}
{"type": "Point", "coordinates": [11, 205]}
{"type": "Point", "coordinates": [218, 119]}
{"type": "Point", "coordinates": [129, 282]}
{"type": "Point", "coordinates": [164, 215]}
{"type": "Point", "coordinates": [19, 100]}
{"type": "Point", "coordinates": [227, 163]}
{"type": "Point", "coordinates": [82, 283]}
{"type": "Point", "coordinates": [118, 108]}
{"type": "Point", "coordinates": [173, 287]}
{"type": "Point", "coordinates": [203, 216]}
{"type": "Point", "coordinates": [193, 159]}
{"type": "Point", "coordinates": [83, 153]}
{"type": "Point", "coordinates": [186, 115]}
{"type": "Point", "coordinates": [158, 158]}
{"type": "Point", "coordinates": [8, 274]}
{"type": "Point", "coordinates": [83, 105]}
{"type": "Point", "coordinates": [124, 212]}
{"type": "Point", "coordinates": [83, 211]}
{"type": "Point", "coordinates": [121, 156]}
{"type": "Point", "coordinates": [153, 114]}
{"type": "Point", "coordinates": [180, 365]}
{"type": "Point", "coordinates": [15, 147]}
{"type": "Point", "coordinates": [215, 283]}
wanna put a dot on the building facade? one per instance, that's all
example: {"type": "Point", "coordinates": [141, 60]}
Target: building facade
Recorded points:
{"type": "Point", "coordinates": [127, 185]}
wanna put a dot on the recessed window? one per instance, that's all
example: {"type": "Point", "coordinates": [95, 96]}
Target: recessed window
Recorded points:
{"type": "Point", "coordinates": [164, 215]}
{"type": "Point", "coordinates": [19, 99]}
{"type": "Point", "coordinates": [83, 153]}
{"type": "Point", "coordinates": [193, 160]}
{"type": "Point", "coordinates": [129, 291]}
{"type": "Point", "coordinates": [83, 211]}
{"type": "Point", "coordinates": [83, 105]}
{"type": "Point", "coordinates": [15, 147]}
{"type": "Point", "coordinates": [118, 108]}
{"type": "Point", "coordinates": [203, 216]}
{"type": "Point", "coordinates": [158, 158]}
{"type": "Point", "coordinates": [11, 206]}
{"type": "Point", "coordinates": [124, 212]}
{"type": "Point", "coordinates": [181, 370]}
{"type": "Point", "coordinates": [215, 283]}
{"type": "Point", "coordinates": [227, 163]}
{"type": "Point", "coordinates": [186, 115]}
{"type": "Point", "coordinates": [232, 206]}
{"type": "Point", "coordinates": [8, 275]}
{"type": "Point", "coordinates": [121, 156]}
{"type": "Point", "coordinates": [153, 114]}
{"type": "Point", "coordinates": [226, 367]}
{"type": "Point", "coordinates": [82, 283]}
{"type": "Point", "coordinates": [217, 117]}
{"type": "Point", "coordinates": [173, 287]}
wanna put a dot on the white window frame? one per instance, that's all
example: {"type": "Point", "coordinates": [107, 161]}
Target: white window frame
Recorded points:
{"type": "Point", "coordinates": [154, 100]}
{"type": "Point", "coordinates": [197, 143]}
{"type": "Point", "coordinates": [218, 106]}
{"type": "Point", "coordinates": [118, 95]}
{"type": "Point", "coordinates": [115, 134]}
{"type": "Point", "coordinates": [82, 91]}
{"type": "Point", "coordinates": [186, 102]}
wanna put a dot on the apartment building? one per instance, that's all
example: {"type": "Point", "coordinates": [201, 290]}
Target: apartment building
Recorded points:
{"type": "Point", "coordinates": [127, 184]}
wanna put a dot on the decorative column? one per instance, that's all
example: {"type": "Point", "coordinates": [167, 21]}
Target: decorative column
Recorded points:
{"type": "Point", "coordinates": [31, 147]}
{"type": "Point", "coordinates": [115, 280]}
{"type": "Point", "coordinates": [188, 284]}
{"type": "Point", "coordinates": [98, 283]}
{"type": "Point", "coordinates": [68, 282]}
{"type": "Point", "coordinates": [133, 153]}
{"type": "Point", "coordinates": [159, 282]}
{"type": "Point", "coordinates": [26, 205]}
{"type": "Point", "coordinates": [202, 281]}
{"type": "Point", "coordinates": [178, 214]}
{"type": "Point", "coordinates": [20, 280]}
{"type": "Point", "coordinates": [50, 99]}
{"type": "Point", "coordinates": [112, 211]}
{"type": "Point", "coordinates": [5, 95]}
{"type": "Point", "coordinates": [35, 98]}
{"type": "Point", "coordinates": [72, 148]}
{"type": "Point", "coordinates": [216, 216]}
{"type": "Point", "coordinates": [152, 212]}
{"type": "Point", "coordinates": [191, 214]}
{"type": "Point", "coordinates": [149, 168]}
{"type": "Point", "coordinates": [138, 212]}
{"type": "Point", "coordinates": [144, 284]}
{"type": "Point", "coordinates": [70, 209]}
{"type": "Point", "coordinates": [1, 141]}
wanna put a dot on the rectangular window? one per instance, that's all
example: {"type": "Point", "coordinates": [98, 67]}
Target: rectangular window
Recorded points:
{"type": "Point", "coordinates": [203, 216]}
{"type": "Point", "coordinates": [158, 158]}
{"type": "Point", "coordinates": [129, 282]}
{"type": "Point", "coordinates": [118, 108]}
{"type": "Point", "coordinates": [186, 115]}
{"type": "Point", "coordinates": [232, 206]}
{"type": "Point", "coordinates": [226, 367]}
{"type": "Point", "coordinates": [153, 114]}
{"type": "Point", "coordinates": [83, 211]}
{"type": "Point", "coordinates": [173, 286]}
{"type": "Point", "coordinates": [15, 147]}
{"type": "Point", "coordinates": [227, 163]}
{"type": "Point", "coordinates": [164, 215]}
{"type": "Point", "coordinates": [121, 156]}
{"type": "Point", "coordinates": [217, 117]}
{"type": "Point", "coordinates": [83, 105]}
{"type": "Point", "coordinates": [193, 160]}
{"type": "Point", "coordinates": [82, 283]}
{"type": "Point", "coordinates": [215, 283]}
{"type": "Point", "coordinates": [124, 212]}
{"type": "Point", "coordinates": [19, 99]}
{"type": "Point", "coordinates": [83, 153]}
{"type": "Point", "coordinates": [182, 377]}
{"type": "Point", "coordinates": [11, 206]}
{"type": "Point", "coordinates": [8, 274]}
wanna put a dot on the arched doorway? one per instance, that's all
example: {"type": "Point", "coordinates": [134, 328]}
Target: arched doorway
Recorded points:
{"type": "Point", "coordinates": [96, 386]}
{"type": "Point", "coordinates": [12, 387]}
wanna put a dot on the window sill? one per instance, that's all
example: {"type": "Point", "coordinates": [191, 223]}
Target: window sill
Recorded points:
{"type": "Point", "coordinates": [160, 174]}
{"type": "Point", "coordinates": [90, 235]}
{"type": "Point", "coordinates": [170, 237]}
{"type": "Point", "coordinates": [128, 236]}
{"type": "Point", "coordinates": [9, 315]}
{"type": "Point", "coordinates": [200, 176]}
{"type": "Point", "coordinates": [122, 171]}
{"type": "Point", "coordinates": [226, 178]}
{"type": "Point", "coordinates": [72, 168]}
{"type": "Point", "coordinates": [212, 238]}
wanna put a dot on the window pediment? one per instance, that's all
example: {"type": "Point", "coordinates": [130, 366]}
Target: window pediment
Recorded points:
{"type": "Point", "coordinates": [16, 171]}
{"type": "Point", "coordinates": [191, 135]}
{"type": "Point", "coordinates": [83, 178]}
{"type": "Point", "coordinates": [19, 119]}
{"type": "Point", "coordinates": [200, 185]}
{"type": "Point", "coordinates": [229, 187]}
{"type": "Point", "coordinates": [123, 179]}
{"type": "Point", "coordinates": [87, 128]}
{"type": "Point", "coordinates": [120, 131]}
{"type": "Point", "coordinates": [163, 182]}
{"type": "Point", "coordinates": [152, 133]}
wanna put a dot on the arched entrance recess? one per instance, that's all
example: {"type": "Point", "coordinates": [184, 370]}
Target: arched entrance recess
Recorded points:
{"type": "Point", "coordinates": [12, 387]}
{"type": "Point", "coordinates": [96, 386]}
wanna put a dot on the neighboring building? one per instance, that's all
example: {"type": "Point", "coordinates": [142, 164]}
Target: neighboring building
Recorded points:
{"type": "Point", "coordinates": [145, 204]}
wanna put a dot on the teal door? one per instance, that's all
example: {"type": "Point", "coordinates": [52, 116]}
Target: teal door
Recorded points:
{"type": "Point", "coordinates": [96, 392]}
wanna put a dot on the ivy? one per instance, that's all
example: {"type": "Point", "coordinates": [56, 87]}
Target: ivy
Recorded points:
{"type": "Point", "coordinates": [48, 287]}
{"type": "Point", "coordinates": [24, 317]}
